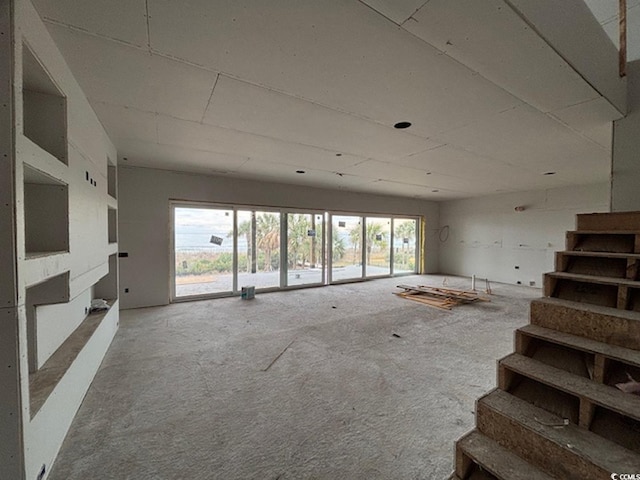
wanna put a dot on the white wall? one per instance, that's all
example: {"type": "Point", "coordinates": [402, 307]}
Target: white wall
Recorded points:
{"type": "Point", "coordinates": [625, 186]}
{"type": "Point", "coordinates": [56, 322]}
{"type": "Point", "coordinates": [31, 439]}
{"type": "Point", "coordinates": [488, 238]}
{"type": "Point", "coordinates": [144, 228]}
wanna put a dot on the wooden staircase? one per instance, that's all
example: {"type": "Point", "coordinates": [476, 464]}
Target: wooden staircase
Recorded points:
{"type": "Point", "coordinates": [556, 412]}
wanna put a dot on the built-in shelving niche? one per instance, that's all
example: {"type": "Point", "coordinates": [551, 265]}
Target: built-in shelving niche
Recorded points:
{"type": "Point", "coordinates": [52, 291]}
{"type": "Point", "coordinates": [107, 287]}
{"type": "Point", "coordinates": [44, 108]}
{"type": "Point", "coordinates": [112, 218]}
{"type": "Point", "coordinates": [112, 179]}
{"type": "Point", "coordinates": [46, 214]}
{"type": "Point", "coordinates": [43, 380]}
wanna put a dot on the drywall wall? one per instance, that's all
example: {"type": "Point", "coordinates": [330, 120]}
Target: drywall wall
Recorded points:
{"type": "Point", "coordinates": [144, 196]}
{"type": "Point", "coordinates": [107, 287]}
{"type": "Point", "coordinates": [47, 429]}
{"type": "Point", "coordinates": [11, 460]}
{"type": "Point", "coordinates": [46, 218]}
{"type": "Point", "coordinates": [54, 323]}
{"type": "Point", "coordinates": [58, 200]}
{"type": "Point", "coordinates": [486, 237]}
{"type": "Point", "coordinates": [625, 170]}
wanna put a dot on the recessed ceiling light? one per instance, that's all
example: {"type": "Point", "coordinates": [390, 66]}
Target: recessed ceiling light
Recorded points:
{"type": "Point", "coordinates": [401, 125]}
{"type": "Point", "coordinates": [338, 154]}
{"type": "Point", "coordinates": [300, 171]}
{"type": "Point", "coordinates": [549, 173]}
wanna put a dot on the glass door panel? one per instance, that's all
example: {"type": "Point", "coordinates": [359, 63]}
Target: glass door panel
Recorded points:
{"type": "Point", "coordinates": [258, 249]}
{"type": "Point", "coordinates": [404, 245]}
{"type": "Point", "coordinates": [378, 251]}
{"type": "Point", "coordinates": [346, 247]}
{"type": "Point", "coordinates": [203, 251]}
{"type": "Point", "coordinates": [304, 249]}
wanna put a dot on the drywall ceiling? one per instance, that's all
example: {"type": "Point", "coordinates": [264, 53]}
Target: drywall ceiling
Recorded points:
{"type": "Point", "coordinates": [260, 90]}
{"type": "Point", "coordinates": [606, 12]}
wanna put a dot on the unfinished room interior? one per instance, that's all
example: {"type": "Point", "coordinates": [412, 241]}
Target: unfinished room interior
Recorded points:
{"type": "Point", "coordinates": [339, 239]}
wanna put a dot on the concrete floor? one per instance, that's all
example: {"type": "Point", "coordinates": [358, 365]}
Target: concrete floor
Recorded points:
{"type": "Point", "coordinates": [189, 391]}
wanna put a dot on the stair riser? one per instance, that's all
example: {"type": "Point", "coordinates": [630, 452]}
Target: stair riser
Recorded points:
{"type": "Point", "coordinates": [626, 221]}
{"type": "Point", "coordinates": [480, 457]}
{"type": "Point", "coordinates": [557, 460]}
{"type": "Point", "coordinates": [601, 266]}
{"type": "Point", "coordinates": [612, 296]}
{"type": "Point", "coordinates": [597, 326]}
{"type": "Point", "coordinates": [600, 355]}
{"type": "Point", "coordinates": [603, 242]}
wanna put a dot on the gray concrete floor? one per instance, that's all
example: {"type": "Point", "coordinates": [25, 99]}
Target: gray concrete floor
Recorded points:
{"type": "Point", "coordinates": [189, 391]}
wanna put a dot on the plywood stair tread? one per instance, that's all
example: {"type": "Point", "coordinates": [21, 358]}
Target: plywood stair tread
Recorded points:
{"type": "Point", "coordinates": [583, 344]}
{"type": "Point", "coordinates": [589, 308]}
{"type": "Point", "coordinates": [497, 460]}
{"type": "Point", "coordinates": [579, 277]}
{"type": "Point", "coordinates": [605, 232]}
{"type": "Point", "coordinates": [538, 434]}
{"type": "Point", "coordinates": [599, 394]}
{"type": "Point", "coordinates": [588, 253]}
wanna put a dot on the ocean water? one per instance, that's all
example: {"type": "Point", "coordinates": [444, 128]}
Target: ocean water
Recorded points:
{"type": "Point", "coordinates": [197, 238]}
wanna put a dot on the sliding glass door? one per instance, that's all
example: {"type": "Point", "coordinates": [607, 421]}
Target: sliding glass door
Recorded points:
{"type": "Point", "coordinates": [404, 245]}
{"type": "Point", "coordinates": [305, 249]}
{"type": "Point", "coordinates": [378, 241]}
{"type": "Point", "coordinates": [217, 249]}
{"type": "Point", "coordinates": [258, 249]}
{"type": "Point", "coordinates": [203, 251]}
{"type": "Point", "coordinates": [346, 248]}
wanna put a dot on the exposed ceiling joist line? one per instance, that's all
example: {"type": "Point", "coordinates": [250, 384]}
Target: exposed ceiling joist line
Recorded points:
{"type": "Point", "coordinates": [623, 37]}
{"type": "Point", "coordinates": [213, 89]}
{"type": "Point", "coordinates": [146, 11]}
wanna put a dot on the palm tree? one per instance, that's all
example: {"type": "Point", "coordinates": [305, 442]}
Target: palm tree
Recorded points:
{"type": "Point", "coordinates": [355, 237]}
{"type": "Point", "coordinates": [405, 229]}
{"type": "Point", "coordinates": [337, 247]}
{"type": "Point", "coordinates": [244, 229]}
{"type": "Point", "coordinates": [298, 233]}
{"type": "Point", "coordinates": [268, 236]}
{"type": "Point", "coordinates": [376, 236]}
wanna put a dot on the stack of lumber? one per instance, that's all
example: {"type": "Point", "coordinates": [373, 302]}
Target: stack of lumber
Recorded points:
{"type": "Point", "coordinates": [444, 298]}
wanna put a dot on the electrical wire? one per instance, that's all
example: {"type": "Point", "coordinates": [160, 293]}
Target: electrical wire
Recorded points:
{"type": "Point", "coordinates": [444, 231]}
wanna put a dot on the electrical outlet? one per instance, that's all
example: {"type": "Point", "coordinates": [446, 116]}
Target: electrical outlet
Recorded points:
{"type": "Point", "coordinates": [126, 290]}
{"type": "Point", "coordinates": [532, 283]}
